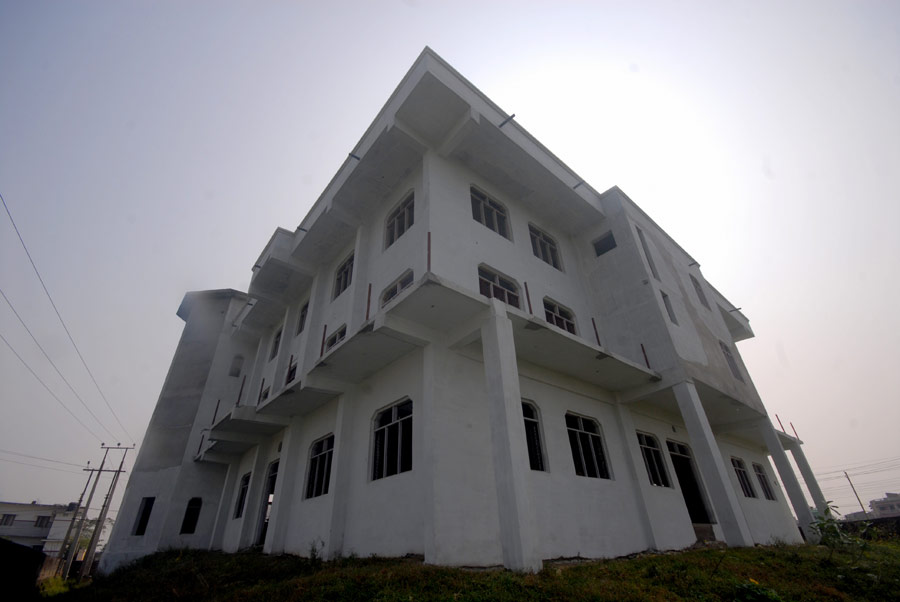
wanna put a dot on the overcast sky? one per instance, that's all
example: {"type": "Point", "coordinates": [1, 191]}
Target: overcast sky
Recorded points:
{"type": "Point", "coordinates": [151, 148]}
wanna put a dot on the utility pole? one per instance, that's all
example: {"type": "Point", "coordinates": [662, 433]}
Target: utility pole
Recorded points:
{"type": "Point", "coordinates": [62, 548]}
{"type": "Point", "coordinates": [92, 547]}
{"type": "Point", "coordinates": [866, 514]}
{"type": "Point", "coordinates": [74, 547]}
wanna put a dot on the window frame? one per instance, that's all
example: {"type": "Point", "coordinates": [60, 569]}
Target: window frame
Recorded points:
{"type": "Point", "coordinates": [240, 501]}
{"type": "Point", "coordinates": [499, 215]}
{"type": "Point", "coordinates": [402, 213]}
{"type": "Point", "coordinates": [143, 516]}
{"type": "Point", "coordinates": [647, 254]}
{"type": "Point", "coordinates": [534, 437]}
{"type": "Point", "coordinates": [381, 444]}
{"type": "Point", "coordinates": [541, 239]}
{"type": "Point", "coordinates": [652, 454]}
{"type": "Point", "coordinates": [731, 361]}
{"type": "Point", "coordinates": [698, 289]}
{"type": "Point", "coordinates": [338, 336]}
{"type": "Point", "coordinates": [602, 244]}
{"type": "Point", "coordinates": [276, 343]}
{"type": "Point", "coordinates": [343, 276]}
{"type": "Point", "coordinates": [397, 286]}
{"type": "Point", "coordinates": [496, 285]}
{"type": "Point", "coordinates": [318, 468]}
{"type": "Point", "coordinates": [578, 436]}
{"type": "Point", "coordinates": [743, 477]}
{"type": "Point", "coordinates": [764, 483]}
{"type": "Point", "coordinates": [301, 321]}
{"type": "Point", "coordinates": [7, 520]}
{"type": "Point", "coordinates": [191, 516]}
{"type": "Point", "coordinates": [557, 317]}
{"type": "Point", "coordinates": [43, 521]}
{"type": "Point", "coordinates": [670, 309]}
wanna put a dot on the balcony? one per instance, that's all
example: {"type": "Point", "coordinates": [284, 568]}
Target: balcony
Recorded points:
{"type": "Point", "coordinates": [241, 429]}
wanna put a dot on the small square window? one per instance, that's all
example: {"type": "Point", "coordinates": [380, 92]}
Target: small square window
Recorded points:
{"type": "Point", "coordinates": [492, 284]}
{"type": "Point", "coordinates": [559, 316]}
{"type": "Point", "coordinates": [396, 287]}
{"type": "Point", "coordinates": [8, 520]}
{"type": "Point", "coordinates": [43, 522]}
{"type": "Point", "coordinates": [343, 276]}
{"type": "Point", "coordinates": [604, 244]}
{"type": "Point", "coordinates": [336, 338]}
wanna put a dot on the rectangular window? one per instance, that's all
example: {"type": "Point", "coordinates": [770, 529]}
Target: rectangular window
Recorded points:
{"type": "Point", "coordinates": [399, 220]}
{"type": "Point", "coordinates": [559, 316]}
{"type": "Point", "coordinates": [191, 516]}
{"type": "Point", "coordinates": [336, 338]}
{"type": "Point", "coordinates": [343, 277]}
{"type": "Point", "coordinates": [653, 460]}
{"type": "Point", "coordinates": [732, 364]}
{"type": "Point", "coordinates": [605, 243]}
{"type": "Point", "coordinates": [763, 479]}
{"type": "Point", "coordinates": [743, 478]}
{"type": "Point", "coordinates": [699, 290]}
{"type": "Point", "coordinates": [242, 496]}
{"type": "Point", "coordinates": [237, 364]}
{"type": "Point", "coordinates": [301, 322]}
{"type": "Point", "coordinates": [533, 436]}
{"type": "Point", "coordinates": [587, 447]}
{"type": "Point", "coordinates": [544, 247]}
{"type": "Point", "coordinates": [492, 284]}
{"type": "Point", "coordinates": [7, 520]}
{"type": "Point", "coordinates": [392, 452]}
{"type": "Point", "coordinates": [489, 212]}
{"type": "Point", "coordinates": [143, 516]}
{"type": "Point", "coordinates": [669, 309]}
{"type": "Point", "coordinates": [263, 392]}
{"type": "Point", "coordinates": [291, 371]}
{"type": "Point", "coordinates": [43, 522]}
{"type": "Point", "coordinates": [396, 286]}
{"type": "Point", "coordinates": [319, 474]}
{"type": "Point", "coordinates": [276, 343]}
{"type": "Point", "coordinates": [647, 254]}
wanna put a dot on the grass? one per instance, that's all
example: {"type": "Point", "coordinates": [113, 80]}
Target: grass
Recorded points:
{"type": "Point", "coordinates": [744, 574]}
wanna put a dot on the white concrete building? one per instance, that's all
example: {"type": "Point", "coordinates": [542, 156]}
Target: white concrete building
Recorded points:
{"type": "Point", "coordinates": [464, 352]}
{"type": "Point", "coordinates": [41, 527]}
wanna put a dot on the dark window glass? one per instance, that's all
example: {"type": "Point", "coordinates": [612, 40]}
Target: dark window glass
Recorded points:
{"type": "Point", "coordinates": [653, 460]}
{"type": "Point", "coordinates": [533, 436]}
{"type": "Point", "coordinates": [143, 516]}
{"type": "Point", "coordinates": [191, 516]}
{"type": "Point", "coordinates": [319, 474]}
{"type": "Point", "coordinates": [587, 447]}
{"type": "Point", "coordinates": [242, 496]}
{"type": "Point", "coordinates": [393, 441]}
{"type": "Point", "coordinates": [605, 243]}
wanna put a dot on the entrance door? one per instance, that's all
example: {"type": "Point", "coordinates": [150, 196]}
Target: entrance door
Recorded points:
{"type": "Point", "coordinates": [690, 485]}
{"type": "Point", "coordinates": [268, 498]}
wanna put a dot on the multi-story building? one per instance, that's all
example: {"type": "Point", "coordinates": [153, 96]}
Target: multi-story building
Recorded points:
{"type": "Point", "coordinates": [40, 527]}
{"type": "Point", "coordinates": [465, 352]}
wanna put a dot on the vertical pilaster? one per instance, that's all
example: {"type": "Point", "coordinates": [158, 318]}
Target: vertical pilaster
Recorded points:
{"type": "Point", "coordinates": [712, 467]}
{"type": "Point", "coordinates": [430, 357]}
{"type": "Point", "coordinates": [809, 478]}
{"type": "Point", "coordinates": [344, 448]}
{"type": "Point", "coordinates": [637, 472]}
{"type": "Point", "coordinates": [285, 489]}
{"type": "Point", "coordinates": [252, 507]}
{"type": "Point", "coordinates": [224, 509]}
{"type": "Point", "coordinates": [788, 479]}
{"type": "Point", "coordinates": [508, 442]}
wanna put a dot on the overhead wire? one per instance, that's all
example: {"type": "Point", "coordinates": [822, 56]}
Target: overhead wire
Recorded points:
{"type": "Point", "coordinates": [61, 321]}
{"type": "Point", "coordinates": [38, 466]}
{"type": "Point", "coordinates": [55, 367]}
{"type": "Point", "coordinates": [58, 400]}
{"type": "Point", "coordinates": [7, 451]}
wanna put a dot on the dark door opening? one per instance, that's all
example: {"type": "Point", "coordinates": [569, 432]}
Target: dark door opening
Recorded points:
{"type": "Point", "coordinates": [690, 485]}
{"type": "Point", "coordinates": [268, 498]}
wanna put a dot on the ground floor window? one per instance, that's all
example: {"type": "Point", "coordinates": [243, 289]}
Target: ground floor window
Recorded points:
{"type": "Point", "coordinates": [319, 474]}
{"type": "Point", "coordinates": [587, 447]}
{"type": "Point", "coordinates": [242, 496]}
{"type": "Point", "coordinates": [143, 516]}
{"type": "Point", "coordinates": [392, 451]}
{"type": "Point", "coordinates": [533, 436]}
{"type": "Point", "coordinates": [653, 460]}
{"type": "Point", "coordinates": [743, 477]}
{"type": "Point", "coordinates": [763, 479]}
{"type": "Point", "coordinates": [191, 516]}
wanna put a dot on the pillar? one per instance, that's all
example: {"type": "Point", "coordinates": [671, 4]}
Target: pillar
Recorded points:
{"type": "Point", "coordinates": [789, 480]}
{"type": "Point", "coordinates": [809, 478]}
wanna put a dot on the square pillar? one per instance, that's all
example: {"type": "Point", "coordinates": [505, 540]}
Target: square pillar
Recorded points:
{"type": "Point", "coordinates": [712, 468]}
{"type": "Point", "coordinates": [789, 480]}
{"type": "Point", "coordinates": [809, 478]}
{"type": "Point", "coordinates": [637, 472]}
{"type": "Point", "coordinates": [285, 489]}
{"type": "Point", "coordinates": [508, 444]}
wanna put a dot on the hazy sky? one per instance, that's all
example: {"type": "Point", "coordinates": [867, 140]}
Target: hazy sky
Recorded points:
{"type": "Point", "coordinates": [151, 148]}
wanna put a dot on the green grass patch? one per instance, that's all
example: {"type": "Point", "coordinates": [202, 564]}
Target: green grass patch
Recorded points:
{"type": "Point", "coordinates": [743, 574]}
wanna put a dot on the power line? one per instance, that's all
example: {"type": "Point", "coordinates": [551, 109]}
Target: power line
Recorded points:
{"type": "Point", "coordinates": [61, 321]}
{"type": "Point", "coordinates": [71, 413]}
{"type": "Point", "coordinates": [38, 466]}
{"type": "Point", "coordinates": [858, 465]}
{"type": "Point", "coordinates": [52, 363]}
{"type": "Point", "coordinates": [6, 451]}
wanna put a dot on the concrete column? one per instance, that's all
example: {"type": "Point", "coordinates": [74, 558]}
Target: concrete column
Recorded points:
{"type": "Point", "coordinates": [344, 450]}
{"type": "Point", "coordinates": [637, 472]}
{"type": "Point", "coordinates": [712, 467]}
{"type": "Point", "coordinates": [286, 492]}
{"type": "Point", "coordinates": [789, 480]}
{"type": "Point", "coordinates": [226, 499]}
{"type": "Point", "coordinates": [252, 506]}
{"type": "Point", "coordinates": [430, 373]}
{"type": "Point", "coordinates": [508, 442]}
{"type": "Point", "coordinates": [809, 478]}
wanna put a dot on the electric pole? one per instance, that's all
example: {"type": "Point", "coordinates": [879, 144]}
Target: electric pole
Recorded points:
{"type": "Point", "coordinates": [866, 514]}
{"type": "Point", "coordinates": [92, 547]}
{"type": "Point", "coordinates": [62, 548]}
{"type": "Point", "coordinates": [74, 547]}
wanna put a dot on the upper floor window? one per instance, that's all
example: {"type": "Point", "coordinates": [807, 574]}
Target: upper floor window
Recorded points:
{"type": "Point", "coordinates": [43, 521]}
{"type": "Point", "coordinates": [669, 309]}
{"type": "Point", "coordinates": [559, 316]}
{"type": "Point", "coordinates": [399, 220]}
{"type": "Point", "coordinates": [319, 474]}
{"type": "Point", "coordinates": [732, 364]}
{"type": "Point", "coordinates": [8, 520]}
{"type": "Point", "coordinates": [241, 496]}
{"type": "Point", "coordinates": [276, 343]}
{"type": "Point", "coordinates": [191, 516]}
{"type": "Point", "coordinates": [606, 242]}
{"type": "Point", "coordinates": [291, 371]}
{"type": "Point", "coordinates": [489, 212]}
{"type": "Point", "coordinates": [587, 447]}
{"type": "Point", "coordinates": [743, 477]}
{"type": "Point", "coordinates": [533, 436]}
{"type": "Point", "coordinates": [237, 364]}
{"type": "Point", "coordinates": [392, 452]}
{"type": "Point", "coordinates": [647, 254]}
{"type": "Point", "coordinates": [396, 286]}
{"type": "Point", "coordinates": [339, 335]}
{"type": "Point", "coordinates": [343, 276]}
{"type": "Point", "coordinates": [699, 290]}
{"type": "Point", "coordinates": [301, 321]}
{"type": "Point", "coordinates": [653, 460]}
{"type": "Point", "coordinates": [763, 479]}
{"type": "Point", "coordinates": [544, 247]}
{"type": "Point", "coordinates": [492, 284]}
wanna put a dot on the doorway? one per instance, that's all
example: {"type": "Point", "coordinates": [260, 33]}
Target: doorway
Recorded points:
{"type": "Point", "coordinates": [691, 489]}
{"type": "Point", "coordinates": [268, 499]}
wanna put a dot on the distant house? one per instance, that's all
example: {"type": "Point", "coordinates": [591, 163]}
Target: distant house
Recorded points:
{"type": "Point", "coordinates": [887, 506]}
{"type": "Point", "coordinates": [41, 527]}
{"type": "Point", "coordinates": [465, 352]}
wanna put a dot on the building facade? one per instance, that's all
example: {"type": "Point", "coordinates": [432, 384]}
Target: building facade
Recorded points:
{"type": "Point", "coordinates": [464, 352]}
{"type": "Point", "coordinates": [40, 527]}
